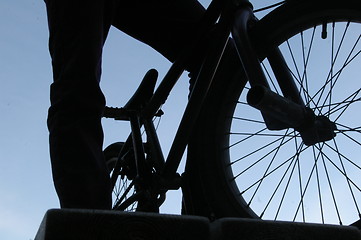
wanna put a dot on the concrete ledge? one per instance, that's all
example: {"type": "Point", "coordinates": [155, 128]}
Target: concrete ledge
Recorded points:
{"type": "Point", "coordinates": [252, 229]}
{"type": "Point", "coordinates": [109, 225]}
{"type": "Point", "coordinates": [68, 224]}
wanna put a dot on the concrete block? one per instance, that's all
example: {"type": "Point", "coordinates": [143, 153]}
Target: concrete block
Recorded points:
{"type": "Point", "coordinates": [113, 225]}
{"type": "Point", "coordinates": [253, 229]}
{"type": "Point", "coordinates": [68, 224]}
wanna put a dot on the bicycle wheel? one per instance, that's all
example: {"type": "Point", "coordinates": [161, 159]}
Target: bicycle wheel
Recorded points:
{"type": "Point", "coordinates": [249, 171]}
{"type": "Point", "coordinates": [123, 189]}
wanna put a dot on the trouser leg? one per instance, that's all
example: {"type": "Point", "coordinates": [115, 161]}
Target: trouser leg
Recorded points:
{"type": "Point", "coordinates": [167, 26]}
{"type": "Point", "coordinates": [78, 30]}
{"type": "Point", "coordinates": [77, 34]}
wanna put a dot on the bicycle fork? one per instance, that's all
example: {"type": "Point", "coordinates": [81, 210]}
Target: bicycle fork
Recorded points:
{"type": "Point", "coordinates": [279, 112]}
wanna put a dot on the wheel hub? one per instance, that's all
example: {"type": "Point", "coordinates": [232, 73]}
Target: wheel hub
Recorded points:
{"type": "Point", "coordinates": [321, 129]}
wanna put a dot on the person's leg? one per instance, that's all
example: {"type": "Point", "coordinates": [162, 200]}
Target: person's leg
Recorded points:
{"type": "Point", "coordinates": [78, 30]}
{"type": "Point", "coordinates": [167, 26]}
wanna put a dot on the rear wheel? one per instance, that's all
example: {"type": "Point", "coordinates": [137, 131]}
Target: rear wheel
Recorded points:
{"type": "Point", "coordinates": [123, 190]}
{"type": "Point", "coordinates": [250, 171]}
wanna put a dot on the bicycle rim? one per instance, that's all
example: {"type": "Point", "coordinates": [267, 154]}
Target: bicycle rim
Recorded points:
{"type": "Point", "coordinates": [123, 191]}
{"type": "Point", "coordinates": [249, 171]}
{"type": "Point", "coordinates": [278, 176]}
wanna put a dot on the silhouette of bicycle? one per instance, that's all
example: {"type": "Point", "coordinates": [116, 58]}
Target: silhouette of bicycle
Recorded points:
{"type": "Point", "coordinates": [275, 137]}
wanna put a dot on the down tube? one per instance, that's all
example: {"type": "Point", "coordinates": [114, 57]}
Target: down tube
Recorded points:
{"type": "Point", "coordinates": [193, 108]}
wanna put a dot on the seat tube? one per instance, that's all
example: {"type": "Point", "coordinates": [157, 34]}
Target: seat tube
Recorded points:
{"type": "Point", "coordinates": [138, 148]}
{"type": "Point", "coordinates": [154, 145]}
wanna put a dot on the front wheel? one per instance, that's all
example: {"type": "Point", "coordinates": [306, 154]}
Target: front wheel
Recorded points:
{"type": "Point", "coordinates": [247, 170]}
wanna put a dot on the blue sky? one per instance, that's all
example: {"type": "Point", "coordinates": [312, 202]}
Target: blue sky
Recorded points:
{"type": "Point", "coordinates": [25, 186]}
{"type": "Point", "coordinates": [26, 189]}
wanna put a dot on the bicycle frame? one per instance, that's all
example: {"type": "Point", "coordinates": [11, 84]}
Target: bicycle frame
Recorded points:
{"type": "Point", "coordinates": [169, 166]}
{"type": "Point", "coordinates": [233, 17]}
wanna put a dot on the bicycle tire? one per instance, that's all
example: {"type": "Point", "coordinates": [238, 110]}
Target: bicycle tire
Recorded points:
{"type": "Point", "coordinates": [123, 188]}
{"type": "Point", "coordinates": [218, 187]}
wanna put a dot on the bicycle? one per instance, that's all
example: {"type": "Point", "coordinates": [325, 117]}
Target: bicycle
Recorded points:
{"type": "Point", "coordinates": [238, 125]}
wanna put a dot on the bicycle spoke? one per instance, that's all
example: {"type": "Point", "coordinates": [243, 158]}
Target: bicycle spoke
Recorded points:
{"type": "Point", "coordinates": [329, 78]}
{"type": "Point", "coordinates": [333, 58]}
{"type": "Point", "coordinates": [305, 59]}
{"type": "Point", "coordinates": [346, 158]}
{"type": "Point", "coordinates": [270, 78]}
{"type": "Point", "coordinates": [300, 181]}
{"type": "Point", "coordinates": [303, 88]}
{"type": "Point", "coordinates": [248, 120]}
{"type": "Point", "coordinates": [285, 191]}
{"type": "Point", "coordinates": [339, 170]}
{"type": "Point", "coordinates": [124, 195]}
{"type": "Point", "coordinates": [347, 180]}
{"type": "Point", "coordinates": [348, 129]}
{"type": "Point", "coordinates": [345, 107]}
{"type": "Point", "coordinates": [295, 65]}
{"type": "Point", "coordinates": [331, 189]}
{"type": "Point", "coordinates": [338, 73]}
{"type": "Point", "coordinates": [271, 172]}
{"type": "Point", "coordinates": [318, 185]}
{"type": "Point", "coordinates": [261, 134]}
{"type": "Point", "coordinates": [278, 185]}
{"type": "Point", "coordinates": [341, 105]}
{"type": "Point", "coordinates": [254, 134]}
{"type": "Point", "coordinates": [259, 149]}
{"type": "Point", "coordinates": [349, 137]}
{"type": "Point", "coordinates": [303, 192]}
{"type": "Point", "coordinates": [268, 167]}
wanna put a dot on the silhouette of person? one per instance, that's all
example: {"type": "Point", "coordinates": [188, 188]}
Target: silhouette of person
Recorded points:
{"type": "Point", "coordinates": [77, 32]}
